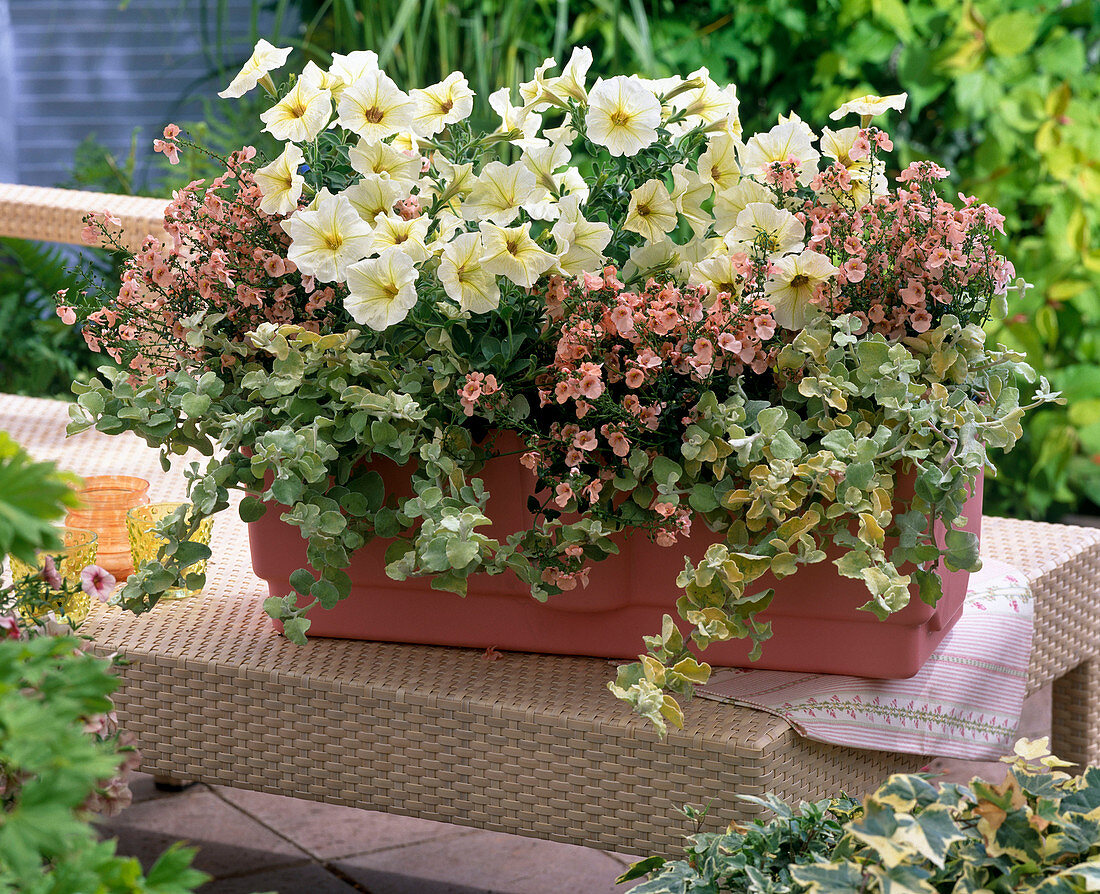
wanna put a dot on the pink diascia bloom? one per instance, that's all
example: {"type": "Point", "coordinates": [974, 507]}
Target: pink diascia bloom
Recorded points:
{"type": "Point", "coordinates": [98, 582]}
{"type": "Point", "coordinates": [9, 627]}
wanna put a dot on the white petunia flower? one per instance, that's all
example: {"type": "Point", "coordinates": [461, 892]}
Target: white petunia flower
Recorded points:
{"type": "Point", "coordinates": [772, 230]}
{"type": "Point", "coordinates": [718, 163]}
{"type": "Point", "coordinates": [660, 258]}
{"type": "Point", "coordinates": [393, 230]}
{"type": "Point", "coordinates": [382, 290]}
{"type": "Point", "coordinates": [706, 104]}
{"type": "Point", "coordinates": [651, 211]}
{"type": "Point", "coordinates": [349, 68]}
{"type": "Point", "coordinates": [791, 286]}
{"type": "Point", "coordinates": [580, 242]}
{"type": "Point", "coordinates": [300, 115]}
{"type": "Point", "coordinates": [280, 182]}
{"type": "Point", "coordinates": [729, 203]}
{"type": "Point", "coordinates": [265, 58]}
{"type": "Point", "coordinates": [499, 191]}
{"type": "Point", "coordinates": [517, 123]}
{"type": "Point", "coordinates": [719, 275]}
{"type": "Point", "coordinates": [538, 93]}
{"type": "Point", "coordinates": [463, 276]}
{"type": "Point", "coordinates": [375, 194]}
{"type": "Point", "coordinates": [571, 82]}
{"type": "Point", "coordinates": [375, 108]}
{"type": "Point", "coordinates": [441, 104]}
{"type": "Point", "coordinates": [866, 176]}
{"type": "Point", "coordinates": [869, 105]}
{"type": "Point", "coordinates": [622, 116]}
{"type": "Point", "coordinates": [317, 77]}
{"type": "Point", "coordinates": [327, 238]}
{"type": "Point", "coordinates": [513, 253]}
{"type": "Point", "coordinates": [788, 141]}
{"type": "Point", "coordinates": [688, 194]}
{"type": "Point", "coordinates": [382, 158]}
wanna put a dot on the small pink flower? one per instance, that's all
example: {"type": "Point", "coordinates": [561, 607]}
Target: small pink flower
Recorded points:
{"type": "Point", "coordinates": [635, 378]}
{"type": "Point", "coordinates": [9, 627]}
{"type": "Point", "coordinates": [67, 314]}
{"type": "Point", "coordinates": [49, 573]}
{"type": "Point", "coordinates": [98, 582]}
{"type": "Point", "coordinates": [563, 494]}
{"type": "Point", "coordinates": [585, 440]}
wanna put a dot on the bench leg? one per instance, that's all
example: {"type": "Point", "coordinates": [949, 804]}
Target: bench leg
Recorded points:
{"type": "Point", "coordinates": [170, 783]}
{"type": "Point", "coordinates": [1075, 715]}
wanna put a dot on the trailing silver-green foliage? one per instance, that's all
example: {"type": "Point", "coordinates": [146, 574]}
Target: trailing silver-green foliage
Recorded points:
{"type": "Point", "coordinates": [1038, 831]}
{"type": "Point", "coordinates": [783, 480]}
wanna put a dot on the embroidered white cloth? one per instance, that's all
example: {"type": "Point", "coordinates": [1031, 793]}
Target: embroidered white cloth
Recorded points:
{"type": "Point", "coordinates": [965, 702]}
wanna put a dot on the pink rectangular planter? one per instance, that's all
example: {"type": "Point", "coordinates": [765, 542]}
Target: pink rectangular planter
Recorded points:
{"type": "Point", "coordinates": [816, 625]}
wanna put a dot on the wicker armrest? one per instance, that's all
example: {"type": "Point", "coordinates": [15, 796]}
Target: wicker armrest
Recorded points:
{"type": "Point", "coordinates": [57, 215]}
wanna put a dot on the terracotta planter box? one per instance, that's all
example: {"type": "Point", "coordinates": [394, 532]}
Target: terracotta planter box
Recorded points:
{"type": "Point", "coordinates": [815, 622]}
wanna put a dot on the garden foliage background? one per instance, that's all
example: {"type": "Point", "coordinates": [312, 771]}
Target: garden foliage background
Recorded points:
{"type": "Point", "coordinates": [1005, 93]}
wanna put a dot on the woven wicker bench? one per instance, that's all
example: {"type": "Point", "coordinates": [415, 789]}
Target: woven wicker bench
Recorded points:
{"type": "Point", "coordinates": [527, 744]}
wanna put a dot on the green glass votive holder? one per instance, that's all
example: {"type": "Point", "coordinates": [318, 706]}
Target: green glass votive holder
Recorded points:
{"type": "Point", "coordinates": [70, 605]}
{"type": "Point", "coordinates": [145, 542]}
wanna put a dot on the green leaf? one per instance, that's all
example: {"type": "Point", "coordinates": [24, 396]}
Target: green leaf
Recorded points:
{"type": "Point", "coordinates": [1012, 33]}
{"type": "Point", "coordinates": [295, 630]}
{"type": "Point", "coordinates": [962, 551]}
{"type": "Point", "coordinates": [702, 498]}
{"type": "Point", "coordinates": [301, 580]}
{"type": "Point", "coordinates": [666, 471]}
{"type": "Point", "coordinates": [252, 509]}
{"type": "Point", "coordinates": [461, 553]}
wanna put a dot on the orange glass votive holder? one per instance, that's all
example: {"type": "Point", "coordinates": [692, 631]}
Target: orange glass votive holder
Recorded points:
{"type": "Point", "coordinates": [106, 499]}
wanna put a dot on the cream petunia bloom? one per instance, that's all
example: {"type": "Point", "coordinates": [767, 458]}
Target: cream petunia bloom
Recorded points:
{"type": "Point", "coordinates": [866, 176]}
{"type": "Point", "coordinates": [762, 226]}
{"type": "Point", "coordinates": [729, 203]}
{"type": "Point", "coordinates": [538, 93]}
{"type": "Point", "coordinates": [580, 242]}
{"type": "Point", "coordinates": [441, 104]}
{"type": "Point", "coordinates": [622, 116]}
{"type": "Point", "coordinates": [660, 258]}
{"type": "Point", "coordinates": [392, 230]}
{"type": "Point", "coordinates": [325, 240]}
{"type": "Point", "coordinates": [317, 77]}
{"type": "Point", "coordinates": [513, 253]}
{"type": "Point", "coordinates": [688, 194]}
{"type": "Point", "coordinates": [499, 191]}
{"type": "Point", "coordinates": [791, 286]}
{"type": "Point", "coordinates": [382, 290]}
{"type": "Point", "coordinates": [464, 278]}
{"type": "Point", "coordinates": [265, 58]}
{"type": "Point", "coordinates": [375, 108]}
{"type": "Point", "coordinates": [571, 82]}
{"type": "Point", "coordinates": [706, 104]}
{"type": "Point", "coordinates": [382, 158]}
{"type": "Point", "coordinates": [718, 163]}
{"type": "Point", "coordinates": [375, 194]}
{"type": "Point", "coordinates": [300, 115]}
{"type": "Point", "coordinates": [719, 275]}
{"type": "Point", "coordinates": [518, 124]}
{"type": "Point", "coordinates": [869, 105]}
{"type": "Point", "coordinates": [790, 140]}
{"type": "Point", "coordinates": [458, 183]}
{"type": "Point", "coordinates": [651, 211]}
{"type": "Point", "coordinates": [348, 69]}
{"type": "Point", "coordinates": [280, 182]}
